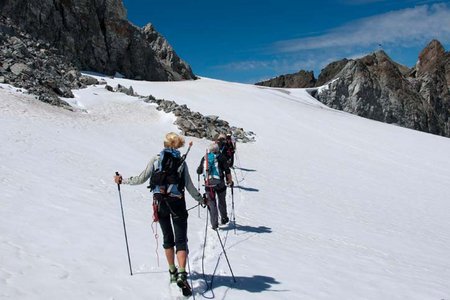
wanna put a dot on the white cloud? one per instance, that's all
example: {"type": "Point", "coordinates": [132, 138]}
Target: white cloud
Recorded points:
{"type": "Point", "coordinates": [402, 28]}
{"type": "Point", "coordinates": [245, 65]}
{"type": "Point", "coordinates": [290, 64]}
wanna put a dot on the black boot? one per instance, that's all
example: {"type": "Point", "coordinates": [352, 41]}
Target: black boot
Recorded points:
{"type": "Point", "coordinates": [173, 276]}
{"type": "Point", "coordinates": [224, 220]}
{"type": "Point", "coordinates": [183, 284]}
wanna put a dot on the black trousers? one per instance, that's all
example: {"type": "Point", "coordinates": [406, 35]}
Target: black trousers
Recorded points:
{"type": "Point", "coordinates": [173, 221]}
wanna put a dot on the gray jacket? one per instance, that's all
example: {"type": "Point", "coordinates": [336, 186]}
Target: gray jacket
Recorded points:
{"type": "Point", "coordinates": [148, 171]}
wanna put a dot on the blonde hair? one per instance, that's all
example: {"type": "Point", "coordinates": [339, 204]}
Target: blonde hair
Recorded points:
{"type": "Point", "coordinates": [173, 140]}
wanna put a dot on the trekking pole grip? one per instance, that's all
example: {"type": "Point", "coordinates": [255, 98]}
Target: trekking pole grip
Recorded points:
{"type": "Point", "coordinates": [118, 185]}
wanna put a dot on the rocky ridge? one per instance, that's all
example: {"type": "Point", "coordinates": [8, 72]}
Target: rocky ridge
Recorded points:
{"type": "Point", "coordinates": [95, 35]}
{"type": "Point", "coordinates": [191, 123]}
{"type": "Point", "coordinates": [301, 79]}
{"type": "Point", "coordinates": [37, 67]}
{"type": "Point", "coordinates": [378, 88]}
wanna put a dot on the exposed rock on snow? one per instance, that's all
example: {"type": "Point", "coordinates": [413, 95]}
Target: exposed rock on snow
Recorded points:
{"type": "Point", "coordinates": [33, 65]}
{"type": "Point", "coordinates": [192, 123]}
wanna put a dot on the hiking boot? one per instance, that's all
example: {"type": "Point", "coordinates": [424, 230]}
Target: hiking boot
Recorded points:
{"type": "Point", "coordinates": [224, 220]}
{"type": "Point", "coordinates": [183, 284]}
{"type": "Point", "coordinates": [173, 276]}
{"type": "Point", "coordinates": [182, 279]}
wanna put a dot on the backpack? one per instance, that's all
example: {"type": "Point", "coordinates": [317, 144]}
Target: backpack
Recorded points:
{"type": "Point", "coordinates": [211, 168]}
{"type": "Point", "coordinates": [169, 172]}
{"type": "Point", "coordinates": [229, 147]}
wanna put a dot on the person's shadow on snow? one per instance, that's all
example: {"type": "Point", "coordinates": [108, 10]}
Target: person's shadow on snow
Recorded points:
{"type": "Point", "coordinates": [247, 228]}
{"type": "Point", "coordinates": [254, 284]}
{"type": "Point", "coordinates": [245, 170]}
{"type": "Point", "coordinates": [248, 189]}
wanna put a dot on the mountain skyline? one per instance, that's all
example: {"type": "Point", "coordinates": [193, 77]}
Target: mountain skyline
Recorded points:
{"type": "Point", "coordinates": [252, 41]}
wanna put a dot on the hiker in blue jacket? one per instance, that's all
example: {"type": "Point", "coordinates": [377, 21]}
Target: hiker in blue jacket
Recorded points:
{"type": "Point", "coordinates": [216, 171]}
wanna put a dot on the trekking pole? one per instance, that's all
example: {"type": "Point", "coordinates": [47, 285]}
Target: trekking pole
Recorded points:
{"type": "Point", "coordinates": [240, 166]}
{"type": "Point", "coordinates": [235, 176]}
{"type": "Point", "coordinates": [190, 275]}
{"type": "Point", "coordinates": [204, 244]}
{"type": "Point", "coordinates": [124, 227]}
{"type": "Point", "coordinates": [198, 188]}
{"type": "Point", "coordinates": [232, 208]}
{"type": "Point", "coordinates": [187, 152]}
{"type": "Point", "coordinates": [226, 257]}
{"type": "Point", "coordinates": [183, 158]}
{"type": "Point", "coordinates": [192, 207]}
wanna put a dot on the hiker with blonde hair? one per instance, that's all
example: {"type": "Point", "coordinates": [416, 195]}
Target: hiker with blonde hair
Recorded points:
{"type": "Point", "coordinates": [169, 177]}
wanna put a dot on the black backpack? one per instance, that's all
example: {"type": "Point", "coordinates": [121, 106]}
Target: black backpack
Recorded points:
{"type": "Point", "coordinates": [169, 173]}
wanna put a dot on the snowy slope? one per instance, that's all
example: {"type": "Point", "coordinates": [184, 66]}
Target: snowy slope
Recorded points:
{"type": "Point", "coordinates": [331, 206]}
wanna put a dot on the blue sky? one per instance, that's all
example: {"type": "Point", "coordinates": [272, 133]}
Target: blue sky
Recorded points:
{"type": "Point", "coordinates": [251, 40]}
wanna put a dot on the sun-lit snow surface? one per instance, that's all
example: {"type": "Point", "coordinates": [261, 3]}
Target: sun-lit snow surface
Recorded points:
{"type": "Point", "coordinates": [330, 205]}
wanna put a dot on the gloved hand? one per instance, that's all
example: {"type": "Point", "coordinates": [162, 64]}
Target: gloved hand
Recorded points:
{"type": "Point", "coordinates": [204, 201]}
{"type": "Point", "coordinates": [118, 178]}
{"type": "Point", "coordinates": [200, 170]}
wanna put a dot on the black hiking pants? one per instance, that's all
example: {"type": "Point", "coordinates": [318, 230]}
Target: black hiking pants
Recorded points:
{"type": "Point", "coordinates": [173, 221]}
{"type": "Point", "coordinates": [217, 203]}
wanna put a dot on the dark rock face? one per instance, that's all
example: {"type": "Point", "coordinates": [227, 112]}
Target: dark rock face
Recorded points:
{"type": "Point", "coordinates": [95, 35]}
{"type": "Point", "coordinates": [301, 79]}
{"type": "Point", "coordinates": [330, 71]}
{"type": "Point", "coordinates": [378, 88]}
{"type": "Point", "coordinates": [431, 79]}
{"type": "Point", "coordinates": [35, 66]}
{"type": "Point", "coordinates": [373, 87]}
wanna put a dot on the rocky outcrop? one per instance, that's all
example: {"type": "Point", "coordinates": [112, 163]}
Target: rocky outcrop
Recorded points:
{"type": "Point", "coordinates": [301, 79]}
{"type": "Point", "coordinates": [192, 123]}
{"type": "Point", "coordinates": [172, 64]}
{"type": "Point", "coordinates": [96, 36]}
{"type": "Point", "coordinates": [329, 72]}
{"type": "Point", "coordinates": [38, 68]}
{"type": "Point", "coordinates": [430, 77]}
{"type": "Point", "coordinates": [373, 87]}
{"type": "Point", "coordinates": [378, 88]}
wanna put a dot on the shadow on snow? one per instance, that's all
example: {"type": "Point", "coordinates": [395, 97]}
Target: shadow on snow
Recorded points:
{"type": "Point", "coordinates": [254, 284]}
{"type": "Point", "coordinates": [247, 228]}
{"type": "Point", "coordinates": [248, 189]}
{"type": "Point", "coordinates": [245, 170]}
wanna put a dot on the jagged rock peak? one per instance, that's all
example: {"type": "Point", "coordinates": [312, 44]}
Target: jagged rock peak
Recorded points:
{"type": "Point", "coordinates": [431, 58]}
{"type": "Point", "coordinates": [330, 71]}
{"type": "Point", "coordinates": [376, 87]}
{"type": "Point", "coordinates": [95, 35]}
{"type": "Point", "coordinates": [176, 68]}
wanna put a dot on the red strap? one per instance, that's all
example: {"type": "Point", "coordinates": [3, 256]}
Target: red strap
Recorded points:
{"type": "Point", "coordinates": [155, 232]}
